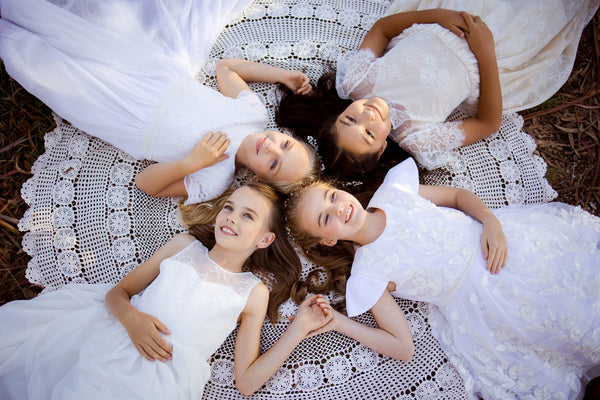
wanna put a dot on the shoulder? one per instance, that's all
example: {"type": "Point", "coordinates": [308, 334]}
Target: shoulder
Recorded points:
{"type": "Point", "coordinates": [258, 299]}
{"type": "Point", "coordinates": [180, 242]}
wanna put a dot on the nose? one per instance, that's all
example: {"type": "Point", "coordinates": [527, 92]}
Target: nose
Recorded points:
{"type": "Point", "coordinates": [368, 114]}
{"type": "Point", "coordinates": [271, 147]}
{"type": "Point", "coordinates": [230, 219]}
{"type": "Point", "coordinates": [337, 209]}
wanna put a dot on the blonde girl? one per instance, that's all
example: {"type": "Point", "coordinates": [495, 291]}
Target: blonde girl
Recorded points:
{"type": "Point", "coordinates": [150, 336]}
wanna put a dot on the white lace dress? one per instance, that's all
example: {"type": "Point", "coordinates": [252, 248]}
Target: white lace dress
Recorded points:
{"type": "Point", "coordinates": [130, 68]}
{"type": "Point", "coordinates": [428, 71]}
{"type": "Point", "coordinates": [528, 332]}
{"type": "Point", "coordinates": [66, 345]}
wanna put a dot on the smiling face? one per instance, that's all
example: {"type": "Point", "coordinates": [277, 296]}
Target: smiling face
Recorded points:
{"type": "Point", "coordinates": [363, 127]}
{"type": "Point", "coordinates": [274, 157]}
{"type": "Point", "coordinates": [243, 222]}
{"type": "Point", "coordinates": [330, 214]}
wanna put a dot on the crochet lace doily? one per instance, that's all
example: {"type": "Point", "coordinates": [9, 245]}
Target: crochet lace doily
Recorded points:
{"type": "Point", "coordinates": [87, 222]}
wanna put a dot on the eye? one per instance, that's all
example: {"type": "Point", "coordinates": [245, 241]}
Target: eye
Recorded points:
{"type": "Point", "coordinates": [249, 216]}
{"type": "Point", "coordinates": [326, 219]}
{"type": "Point", "coordinates": [370, 134]}
{"type": "Point", "coordinates": [349, 118]}
{"type": "Point", "coordinates": [227, 207]}
{"type": "Point", "coordinates": [274, 164]}
{"type": "Point", "coordinates": [332, 196]}
{"type": "Point", "coordinates": [286, 144]}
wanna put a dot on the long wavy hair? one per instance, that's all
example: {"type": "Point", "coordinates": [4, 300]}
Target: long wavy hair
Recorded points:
{"type": "Point", "coordinates": [314, 115]}
{"type": "Point", "coordinates": [336, 260]}
{"type": "Point", "coordinates": [278, 264]}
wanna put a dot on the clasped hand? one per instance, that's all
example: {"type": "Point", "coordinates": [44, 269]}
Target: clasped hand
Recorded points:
{"type": "Point", "coordinates": [313, 313]}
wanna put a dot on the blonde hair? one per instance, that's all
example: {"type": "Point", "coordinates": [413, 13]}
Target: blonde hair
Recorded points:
{"type": "Point", "coordinates": [311, 173]}
{"type": "Point", "coordinates": [278, 264]}
{"type": "Point", "coordinates": [336, 260]}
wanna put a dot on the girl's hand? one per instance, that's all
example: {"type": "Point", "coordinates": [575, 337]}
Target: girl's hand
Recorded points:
{"type": "Point", "coordinates": [479, 36]}
{"type": "Point", "coordinates": [493, 246]}
{"type": "Point", "coordinates": [144, 331]}
{"type": "Point", "coordinates": [453, 21]}
{"type": "Point", "coordinates": [208, 151]}
{"type": "Point", "coordinates": [313, 313]}
{"type": "Point", "coordinates": [296, 81]}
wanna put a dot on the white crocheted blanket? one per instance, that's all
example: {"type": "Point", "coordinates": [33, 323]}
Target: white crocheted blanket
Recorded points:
{"type": "Point", "coordinates": [87, 222]}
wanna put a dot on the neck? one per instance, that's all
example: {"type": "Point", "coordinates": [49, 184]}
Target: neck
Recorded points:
{"type": "Point", "coordinates": [372, 228]}
{"type": "Point", "coordinates": [232, 261]}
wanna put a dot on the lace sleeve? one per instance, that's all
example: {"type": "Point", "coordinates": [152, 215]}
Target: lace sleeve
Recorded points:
{"type": "Point", "coordinates": [353, 78]}
{"type": "Point", "coordinates": [430, 145]}
{"type": "Point", "coordinates": [208, 183]}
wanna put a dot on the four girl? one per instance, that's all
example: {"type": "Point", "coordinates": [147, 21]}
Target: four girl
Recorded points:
{"type": "Point", "coordinates": [532, 320]}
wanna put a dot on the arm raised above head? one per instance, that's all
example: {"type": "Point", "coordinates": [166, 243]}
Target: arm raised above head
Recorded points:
{"type": "Point", "coordinates": [233, 76]}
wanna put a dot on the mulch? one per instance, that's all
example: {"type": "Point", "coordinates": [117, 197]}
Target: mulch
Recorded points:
{"type": "Point", "coordinates": [566, 129]}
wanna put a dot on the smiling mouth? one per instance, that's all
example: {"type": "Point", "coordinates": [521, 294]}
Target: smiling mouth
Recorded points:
{"type": "Point", "coordinates": [259, 143]}
{"type": "Point", "coordinates": [227, 231]}
{"type": "Point", "coordinates": [349, 213]}
{"type": "Point", "coordinates": [376, 110]}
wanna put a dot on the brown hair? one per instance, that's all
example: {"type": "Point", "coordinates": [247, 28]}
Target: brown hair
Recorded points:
{"type": "Point", "coordinates": [314, 116]}
{"type": "Point", "coordinates": [277, 264]}
{"type": "Point", "coordinates": [336, 260]}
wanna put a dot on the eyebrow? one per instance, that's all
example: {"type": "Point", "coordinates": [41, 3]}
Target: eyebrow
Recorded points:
{"type": "Point", "coordinates": [248, 209]}
{"type": "Point", "coordinates": [292, 143]}
{"type": "Point", "coordinates": [321, 214]}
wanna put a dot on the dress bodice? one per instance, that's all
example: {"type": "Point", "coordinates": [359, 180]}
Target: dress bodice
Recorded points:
{"type": "Point", "coordinates": [198, 300]}
{"type": "Point", "coordinates": [426, 250]}
{"type": "Point", "coordinates": [426, 72]}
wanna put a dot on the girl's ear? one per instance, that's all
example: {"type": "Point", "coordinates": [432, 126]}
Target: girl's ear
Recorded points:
{"type": "Point", "coordinates": [255, 177]}
{"type": "Point", "coordinates": [328, 242]}
{"type": "Point", "coordinates": [266, 241]}
{"type": "Point", "coordinates": [381, 150]}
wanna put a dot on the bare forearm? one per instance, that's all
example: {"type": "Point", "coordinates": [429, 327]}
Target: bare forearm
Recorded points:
{"type": "Point", "coordinates": [118, 304]}
{"type": "Point", "coordinates": [250, 71]}
{"type": "Point", "coordinates": [490, 93]}
{"type": "Point", "coordinates": [378, 339]}
{"type": "Point", "coordinates": [469, 203]}
{"type": "Point", "coordinates": [256, 374]}
{"type": "Point", "coordinates": [386, 28]}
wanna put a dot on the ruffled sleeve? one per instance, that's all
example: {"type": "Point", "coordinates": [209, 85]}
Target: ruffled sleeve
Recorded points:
{"type": "Point", "coordinates": [362, 293]}
{"type": "Point", "coordinates": [431, 145]}
{"type": "Point", "coordinates": [208, 183]}
{"type": "Point", "coordinates": [354, 77]}
{"type": "Point", "coordinates": [404, 174]}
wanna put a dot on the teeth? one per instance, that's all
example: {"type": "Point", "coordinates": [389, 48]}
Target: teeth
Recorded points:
{"type": "Point", "coordinates": [227, 231]}
{"type": "Point", "coordinates": [348, 213]}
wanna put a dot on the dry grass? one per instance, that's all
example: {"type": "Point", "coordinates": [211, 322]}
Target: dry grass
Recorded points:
{"type": "Point", "coordinates": [566, 128]}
